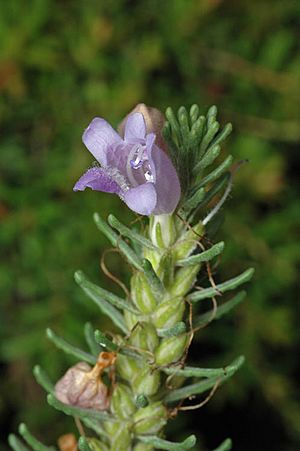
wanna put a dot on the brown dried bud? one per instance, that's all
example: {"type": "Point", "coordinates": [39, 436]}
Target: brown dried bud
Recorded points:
{"type": "Point", "coordinates": [154, 120]}
{"type": "Point", "coordinates": [67, 442]}
{"type": "Point", "coordinates": [82, 385]}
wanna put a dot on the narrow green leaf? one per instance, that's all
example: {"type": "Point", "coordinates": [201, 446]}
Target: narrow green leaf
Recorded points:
{"type": "Point", "coordinates": [117, 241]}
{"type": "Point", "coordinates": [216, 187]}
{"type": "Point", "coordinates": [132, 354]}
{"type": "Point", "coordinates": [95, 425]}
{"type": "Point", "coordinates": [178, 329]}
{"type": "Point", "coordinates": [204, 256]}
{"type": "Point", "coordinates": [211, 115]}
{"type": "Point", "coordinates": [197, 132]}
{"type": "Point", "coordinates": [35, 444]}
{"type": "Point", "coordinates": [96, 292]}
{"type": "Point", "coordinates": [83, 444]}
{"type": "Point", "coordinates": [216, 173]}
{"type": "Point", "coordinates": [16, 444]}
{"type": "Point", "coordinates": [225, 446]}
{"type": "Point", "coordinates": [222, 287]}
{"type": "Point", "coordinates": [194, 112]}
{"type": "Point", "coordinates": [190, 371]}
{"type": "Point", "coordinates": [172, 146]}
{"type": "Point", "coordinates": [222, 309]}
{"type": "Point", "coordinates": [200, 387]}
{"type": "Point", "coordinates": [43, 379]}
{"type": "Point", "coordinates": [193, 201]}
{"type": "Point", "coordinates": [153, 280]}
{"type": "Point", "coordinates": [70, 349]}
{"type": "Point", "coordinates": [103, 300]}
{"type": "Point", "coordinates": [208, 137]}
{"type": "Point", "coordinates": [174, 124]}
{"type": "Point", "coordinates": [221, 136]}
{"type": "Point", "coordinates": [210, 156]}
{"type": "Point", "coordinates": [78, 411]}
{"type": "Point", "coordinates": [132, 234]}
{"type": "Point", "coordinates": [184, 126]}
{"type": "Point", "coordinates": [159, 443]}
{"type": "Point", "coordinates": [95, 348]}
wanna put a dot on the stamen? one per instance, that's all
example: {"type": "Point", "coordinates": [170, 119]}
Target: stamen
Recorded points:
{"type": "Point", "coordinates": [138, 159]}
{"type": "Point", "coordinates": [149, 176]}
{"type": "Point", "coordinates": [137, 151]}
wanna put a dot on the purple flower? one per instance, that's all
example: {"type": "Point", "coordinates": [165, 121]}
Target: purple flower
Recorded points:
{"type": "Point", "coordinates": [134, 168]}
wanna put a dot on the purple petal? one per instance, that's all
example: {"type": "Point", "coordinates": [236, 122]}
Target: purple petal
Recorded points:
{"type": "Point", "coordinates": [135, 128]}
{"type": "Point", "coordinates": [150, 138]}
{"type": "Point", "coordinates": [98, 180]}
{"type": "Point", "coordinates": [141, 199]}
{"type": "Point", "coordinates": [98, 137]}
{"type": "Point", "coordinates": [166, 182]}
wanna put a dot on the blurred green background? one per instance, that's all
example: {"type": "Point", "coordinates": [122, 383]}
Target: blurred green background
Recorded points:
{"type": "Point", "coordinates": [62, 63]}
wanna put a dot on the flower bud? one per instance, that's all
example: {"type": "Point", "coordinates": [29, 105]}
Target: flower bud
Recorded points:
{"type": "Point", "coordinates": [151, 419]}
{"type": "Point", "coordinates": [146, 382]}
{"type": "Point", "coordinates": [122, 404]}
{"type": "Point", "coordinates": [121, 440]}
{"type": "Point", "coordinates": [141, 294]}
{"type": "Point", "coordinates": [131, 319]}
{"type": "Point", "coordinates": [188, 242]}
{"type": "Point", "coordinates": [143, 447]}
{"type": "Point", "coordinates": [165, 270]}
{"type": "Point", "coordinates": [162, 230]}
{"type": "Point", "coordinates": [170, 350]}
{"type": "Point", "coordinates": [154, 120]}
{"type": "Point", "coordinates": [184, 280]}
{"type": "Point", "coordinates": [96, 445]}
{"type": "Point", "coordinates": [82, 386]}
{"type": "Point", "coordinates": [169, 312]}
{"type": "Point", "coordinates": [67, 442]}
{"type": "Point", "coordinates": [144, 336]}
{"type": "Point", "coordinates": [120, 437]}
{"type": "Point", "coordinates": [127, 368]}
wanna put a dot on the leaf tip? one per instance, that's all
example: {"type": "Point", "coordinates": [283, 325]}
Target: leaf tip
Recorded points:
{"type": "Point", "coordinates": [78, 276]}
